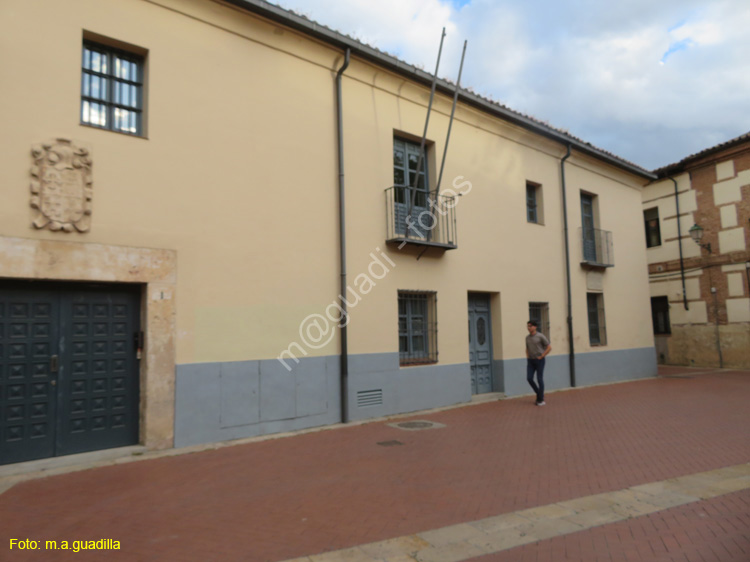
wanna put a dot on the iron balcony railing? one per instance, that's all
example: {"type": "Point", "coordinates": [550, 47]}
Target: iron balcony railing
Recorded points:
{"type": "Point", "coordinates": [419, 217]}
{"type": "Point", "coordinates": [596, 247]}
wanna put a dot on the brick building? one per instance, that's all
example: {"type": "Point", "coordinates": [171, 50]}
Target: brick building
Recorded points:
{"type": "Point", "coordinates": [700, 290]}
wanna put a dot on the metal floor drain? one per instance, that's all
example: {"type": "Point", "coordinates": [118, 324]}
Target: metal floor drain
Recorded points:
{"type": "Point", "coordinates": [416, 425]}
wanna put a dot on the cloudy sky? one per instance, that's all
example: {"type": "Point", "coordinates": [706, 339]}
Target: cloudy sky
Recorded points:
{"type": "Point", "coordinates": [652, 81]}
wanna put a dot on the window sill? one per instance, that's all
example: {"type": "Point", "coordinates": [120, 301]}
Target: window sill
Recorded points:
{"type": "Point", "coordinates": [596, 265]}
{"type": "Point", "coordinates": [417, 363]}
{"type": "Point", "coordinates": [131, 135]}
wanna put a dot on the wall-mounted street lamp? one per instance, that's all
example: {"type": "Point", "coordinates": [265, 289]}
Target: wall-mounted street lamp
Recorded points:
{"type": "Point", "coordinates": [696, 233]}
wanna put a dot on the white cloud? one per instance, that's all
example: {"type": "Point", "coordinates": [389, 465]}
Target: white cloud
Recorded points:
{"type": "Point", "coordinates": [650, 81]}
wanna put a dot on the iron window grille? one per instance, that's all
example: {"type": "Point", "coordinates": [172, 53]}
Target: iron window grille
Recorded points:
{"type": "Point", "coordinates": [597, 325]}
{"type": "Point", "coordinates": [653, 233]}
{"type": "Point", "coordinates": [417, 327]}
{"type": "Point", "coordinates": [539, 313]}
{"type": "Point", "coordinates": [112, 89]}
{"type": "Point", "coordinates": [660, 315]}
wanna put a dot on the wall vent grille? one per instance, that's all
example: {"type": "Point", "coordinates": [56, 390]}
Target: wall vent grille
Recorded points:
{"type": "Point", "coordinates": [370, 398]}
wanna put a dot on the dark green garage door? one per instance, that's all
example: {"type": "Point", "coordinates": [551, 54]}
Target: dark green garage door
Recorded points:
{"type": "Point", "coordinates": [68, 368]}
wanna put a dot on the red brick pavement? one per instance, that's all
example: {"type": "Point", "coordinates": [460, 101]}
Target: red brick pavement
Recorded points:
{"type": "Point", "coordinates": [310, 493]}
{"type": "Point", "coordinates": [716, 530]}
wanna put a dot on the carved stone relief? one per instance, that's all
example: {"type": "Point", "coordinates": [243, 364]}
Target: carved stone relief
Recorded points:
{"type": "Point", "coordinates": [61, 186]}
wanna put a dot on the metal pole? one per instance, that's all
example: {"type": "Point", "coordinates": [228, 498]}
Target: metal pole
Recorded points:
{"type": "Point", "coordinates": [716, 317]}
{"type": "Point", "coordinates": [571, 353]}
{"type": "Point", "coordinates": [450, 123]}
{"type": "Point", "coordinates": [344, 363]}
{"type": "Point", "coordinates": [679, 243]}
{"type": "Point", "coordinates": [424, 134]}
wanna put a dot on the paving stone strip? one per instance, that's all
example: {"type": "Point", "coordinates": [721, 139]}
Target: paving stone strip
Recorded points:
{"type": "Point", "coordinates": [494, 534]}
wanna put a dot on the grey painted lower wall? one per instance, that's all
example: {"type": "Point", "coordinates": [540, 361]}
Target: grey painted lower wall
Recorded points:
{"type": "Point", "coordinates": [591, 368]}
{"type": "Point", "coordinates": [403, 389]}
{"type": "Point", "coordinates": [232, 400]}
{"type": "Point", "coordinates": [223, 401]}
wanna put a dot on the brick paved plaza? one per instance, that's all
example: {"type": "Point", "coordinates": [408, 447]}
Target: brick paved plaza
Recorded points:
{"type": "Point", "coordinates": [314, 493]}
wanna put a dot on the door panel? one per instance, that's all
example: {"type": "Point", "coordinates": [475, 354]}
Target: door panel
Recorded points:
{"type": "Point", "coordinates": [411, 193]}
{"type": "Point", "coordinates": [28, 398]}
{"type": "Point", "coordinates": [68, 370]}
{"type": "Point", "coordinates": [480, 344]}
{"type": "Point", "coordinates": [99, 376]}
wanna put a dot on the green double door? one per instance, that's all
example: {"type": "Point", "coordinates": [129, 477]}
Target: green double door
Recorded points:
{"type": "Point", "coordinates": [68, 368]}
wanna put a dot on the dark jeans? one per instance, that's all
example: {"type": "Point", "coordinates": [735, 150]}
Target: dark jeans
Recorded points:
{"type": "Point", "coordinates": [538, 366]}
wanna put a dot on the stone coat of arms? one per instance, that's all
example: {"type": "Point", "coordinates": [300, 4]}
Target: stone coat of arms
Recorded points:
{"type": "Point", "coordinates": [61, 186]}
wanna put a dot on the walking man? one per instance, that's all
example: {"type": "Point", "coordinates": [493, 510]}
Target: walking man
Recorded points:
{"type": "Point", "coordinates": [537, 348]}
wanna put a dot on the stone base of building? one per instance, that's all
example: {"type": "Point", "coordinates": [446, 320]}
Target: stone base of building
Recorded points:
{"type": "Point", "coordinates": [699, 345]}
{"type": "Point", "coordinates": [233, 400]}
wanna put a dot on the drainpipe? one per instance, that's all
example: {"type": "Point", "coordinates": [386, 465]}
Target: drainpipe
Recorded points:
{"type": "Point", "coordinates": [679, 243]}
{"type": "Point", "coordinates": [571, 353]}
{"type": "Point", "coordinates": [342, 247]}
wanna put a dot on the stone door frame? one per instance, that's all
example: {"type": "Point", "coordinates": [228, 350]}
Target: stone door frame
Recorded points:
{"type": "Point", "coordinates": [155, 270]}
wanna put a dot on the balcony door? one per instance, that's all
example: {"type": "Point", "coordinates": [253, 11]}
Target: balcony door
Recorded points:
{"type": "Point", "coordinates": [411, 206]}
{"type": "Point", "coordinates": [589, 231]}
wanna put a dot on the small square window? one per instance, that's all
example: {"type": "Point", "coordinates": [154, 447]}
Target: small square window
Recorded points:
{"type": "Point", "coordinates": [112, 89]}
{"type": "Point", "coordinates": [417, 327]}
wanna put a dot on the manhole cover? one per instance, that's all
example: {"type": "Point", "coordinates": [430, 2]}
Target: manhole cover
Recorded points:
{"type": "Point", "coordinates": [416, 425]}
{"type": "Point", "coordinates": [390, 443]}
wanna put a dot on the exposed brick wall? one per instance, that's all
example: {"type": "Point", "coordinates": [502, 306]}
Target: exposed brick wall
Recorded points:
{"type": "Point", "coordinates": [702, 179]}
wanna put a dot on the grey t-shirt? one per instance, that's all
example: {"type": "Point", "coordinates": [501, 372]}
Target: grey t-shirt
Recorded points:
{"type": "Point", "coordinates": [536, 344]}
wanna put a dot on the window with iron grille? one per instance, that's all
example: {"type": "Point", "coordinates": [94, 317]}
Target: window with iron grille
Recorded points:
{"type": "Point", "coordinates": [653, 234]}
{"type": "Point", "coordinates": [539, 313]}
{"type": "Point", "coordinates": [417, 327]}
{"type": "Point", "coordinates": [597, 326]}
{"type": "Point", "coordinates": [660, 315]}
{"type": "Point", "coordinates": [112, 89]}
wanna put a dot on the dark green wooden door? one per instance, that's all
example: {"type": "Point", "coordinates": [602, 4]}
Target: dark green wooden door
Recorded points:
{"type": "Point", "coordinates": [68, 370]}
{"type": "Point", "coordinates": [480, 343]}
{"type": "Point", "coordinates": [29, 339]}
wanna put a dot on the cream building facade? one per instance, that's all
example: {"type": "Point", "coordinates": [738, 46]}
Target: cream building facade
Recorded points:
{"type": "Point", "coordinates": [699, 293]}
{"type": "Point", "coordinates": [171, 228]}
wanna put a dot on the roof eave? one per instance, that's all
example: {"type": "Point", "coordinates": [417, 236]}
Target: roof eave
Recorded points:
{"type": "Point", "coordinates": [291, 20]}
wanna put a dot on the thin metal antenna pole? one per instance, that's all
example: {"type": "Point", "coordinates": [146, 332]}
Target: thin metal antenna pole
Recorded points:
{"type": "Point", "coordinates": [450, 123]}
{"type": "Point", "coordinates": [424, 134]}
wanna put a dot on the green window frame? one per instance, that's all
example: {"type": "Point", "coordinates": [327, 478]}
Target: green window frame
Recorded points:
{"type": "Point", "coordinates": [531, 203]}
{"type": "Point", "coordinates": [417, 327]}
{"type": "Point", "coordinates": [112, 89]}
{"type": "Point", "coordinates": [653, 232]}
{"type": "Point", "coordinates": [597, 325]}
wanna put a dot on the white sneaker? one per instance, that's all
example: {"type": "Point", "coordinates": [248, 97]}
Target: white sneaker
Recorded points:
{"type": "Point", "coordinates": [542, 403]}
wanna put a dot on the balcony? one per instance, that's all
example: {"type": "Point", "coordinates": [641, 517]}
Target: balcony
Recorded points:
{"type": "Point", "coordinates": [420, 218]}
{"type": "Point", "coordinates": [596, 248]}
